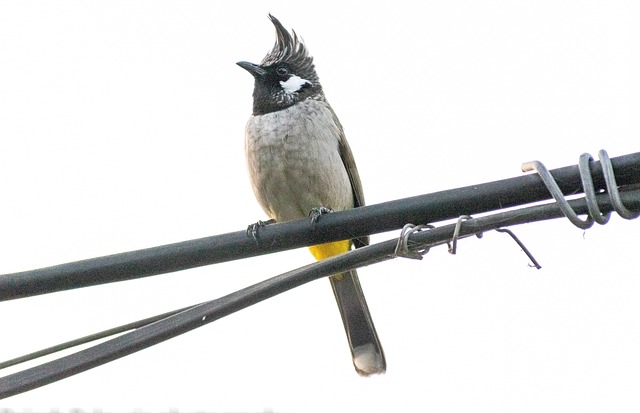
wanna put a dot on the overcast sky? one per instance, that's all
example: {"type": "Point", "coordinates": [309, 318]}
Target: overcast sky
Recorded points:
{"type": "Point", "coordinates": [122, 127]}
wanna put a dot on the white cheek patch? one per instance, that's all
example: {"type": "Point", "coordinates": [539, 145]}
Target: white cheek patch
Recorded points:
{"type": "Point", "coordinates": [293, 84]}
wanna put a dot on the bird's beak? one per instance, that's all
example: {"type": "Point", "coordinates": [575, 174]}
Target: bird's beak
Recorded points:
{"type": "Point", "coordinates": [252, 68]}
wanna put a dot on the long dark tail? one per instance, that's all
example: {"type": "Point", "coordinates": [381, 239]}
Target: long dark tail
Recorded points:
{"type": "Point", "coordinates": [368, 357]}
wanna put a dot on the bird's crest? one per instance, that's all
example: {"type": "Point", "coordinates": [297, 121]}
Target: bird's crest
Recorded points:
{"type": "Point", "coordinates": [288, 48]}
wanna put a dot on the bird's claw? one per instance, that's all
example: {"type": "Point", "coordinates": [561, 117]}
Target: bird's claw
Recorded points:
{"type": "Point", "coordinates": [252, 229]}
{"type": "Point", "coordinates": [315, 213]}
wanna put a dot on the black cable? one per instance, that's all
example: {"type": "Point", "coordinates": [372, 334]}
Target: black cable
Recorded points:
{"type": "Point", "coordinates": [295, 234]}
{"type": "Point", "coordinates": [87, 339]}
{"type": "Point", "coordinates": [207, 312]}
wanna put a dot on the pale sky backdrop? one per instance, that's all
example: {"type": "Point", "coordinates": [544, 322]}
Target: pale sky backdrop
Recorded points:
{"type": "Point", "coordinates": [122, 127]}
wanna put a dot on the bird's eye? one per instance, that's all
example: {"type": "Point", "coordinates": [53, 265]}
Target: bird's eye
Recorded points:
{"type": "Point", "coordinates": [282, 71]}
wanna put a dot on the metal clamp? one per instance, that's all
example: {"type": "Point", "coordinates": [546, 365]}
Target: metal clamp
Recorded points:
{"type": "Point", "coordinates": [456, 234]}
{"type": "Point", "coordinates": [402, 247]}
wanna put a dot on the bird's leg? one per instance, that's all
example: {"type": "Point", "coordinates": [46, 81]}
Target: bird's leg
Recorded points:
{"type": "Point", "coordinates": [315, 213]}
{"type": "Point", "coordinates": [252, 229]}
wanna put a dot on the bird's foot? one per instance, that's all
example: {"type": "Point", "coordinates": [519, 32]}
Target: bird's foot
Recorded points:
{"type": "Point", "coordinates": [252, 230]}
{"type": "Point", "coordinates": [315, 213]}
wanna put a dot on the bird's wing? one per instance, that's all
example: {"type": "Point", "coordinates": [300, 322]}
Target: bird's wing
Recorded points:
{"type": "Point", "coordinates": [354, 177]}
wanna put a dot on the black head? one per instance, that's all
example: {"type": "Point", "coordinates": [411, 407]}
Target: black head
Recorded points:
{"type": "Point", "coordinates": [285, 76]}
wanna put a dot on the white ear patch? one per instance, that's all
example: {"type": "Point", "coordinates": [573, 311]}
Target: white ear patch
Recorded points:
{"type": "Point", "coordinates": [293, 84]}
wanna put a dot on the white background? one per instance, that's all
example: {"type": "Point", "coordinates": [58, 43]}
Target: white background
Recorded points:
{"type": "Point", "coordinates": [121, 127]}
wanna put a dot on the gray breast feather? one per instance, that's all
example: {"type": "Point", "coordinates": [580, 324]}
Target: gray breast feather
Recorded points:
{"type": "Point", "coordinates": [294, 161]}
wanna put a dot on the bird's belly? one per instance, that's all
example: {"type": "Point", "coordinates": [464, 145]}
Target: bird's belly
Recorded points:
{"type": "Point", "coordinates": [295, 167]}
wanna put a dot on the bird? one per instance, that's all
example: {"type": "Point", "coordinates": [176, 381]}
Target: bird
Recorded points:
{"type": "Point", "coordinates": [300, 165]}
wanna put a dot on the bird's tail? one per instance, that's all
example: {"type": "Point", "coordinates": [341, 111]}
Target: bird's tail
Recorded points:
{"type": "Point", "coordinates": [368, 357]}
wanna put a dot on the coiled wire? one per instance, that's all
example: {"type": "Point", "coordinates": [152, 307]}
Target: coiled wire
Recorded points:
{"type": "Point", "coordinates": [595, 215]}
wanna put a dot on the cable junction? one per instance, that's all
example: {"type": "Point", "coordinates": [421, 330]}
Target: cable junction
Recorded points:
{"type": "Point", "coordinates": [604, 192]}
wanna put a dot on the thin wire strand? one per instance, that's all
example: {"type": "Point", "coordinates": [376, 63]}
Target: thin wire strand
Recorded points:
{"type": "Point", "coordinates": [88, 339]}
{"type": "Point", "coordinates": [524, 249]}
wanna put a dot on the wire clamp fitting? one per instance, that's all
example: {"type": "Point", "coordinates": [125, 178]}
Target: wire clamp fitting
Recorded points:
{"type": "Point", "coordinates": [406, 249]}
{"type": "Point", "coordinates": [453, 246]}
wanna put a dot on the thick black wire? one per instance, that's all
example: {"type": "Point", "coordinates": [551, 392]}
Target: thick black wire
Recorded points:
{"type": "Point", "coordinates": [340, 225]}
{"type": "Point", "coordinates": [207, 312]}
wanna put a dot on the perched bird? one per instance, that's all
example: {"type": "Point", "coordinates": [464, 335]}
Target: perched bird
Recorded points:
{"type": "Point", "coordinates": [300, 163]}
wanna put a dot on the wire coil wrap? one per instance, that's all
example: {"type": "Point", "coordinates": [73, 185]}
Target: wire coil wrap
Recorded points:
{"type": "Point", "coordinates": [594, 214]}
